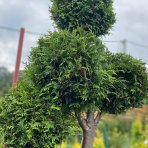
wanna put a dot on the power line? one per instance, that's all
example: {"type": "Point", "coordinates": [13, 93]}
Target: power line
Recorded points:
{"type": "Point", "coordinates": [9, 29]}
{"type": "Point", "coordinates": [137, 44]}
{"type": "Point", "coordinates": [113, 41]}
{"type": "Point", "coordinates": [34, 33]}
{"type": "Point", "coordinates": [16, 30]}
{"type": "Point", "coordinates": [124, 42]}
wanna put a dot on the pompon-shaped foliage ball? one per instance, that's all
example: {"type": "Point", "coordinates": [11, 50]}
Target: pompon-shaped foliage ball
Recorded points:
{"type": "Point", "coordinates": [72, 68]}
{"type": "Point", "coordinates": [31, 121]}
{"type": "Point", "coordinates": [130, 87]}
{"type": "Point", "coordinates": [96, 16]}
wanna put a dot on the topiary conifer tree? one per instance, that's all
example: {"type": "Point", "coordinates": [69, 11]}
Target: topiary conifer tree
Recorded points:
{"type": "Point", "coordinates": [29, 119]}
{"type": "Point", "coordinates": [96, 16]}
{"type": "Point", "coordinates": [73, 72]}
{"type": "Point", "coordinates": [108, 86]}
{"type": "Point", "coordinates": [85, 79]}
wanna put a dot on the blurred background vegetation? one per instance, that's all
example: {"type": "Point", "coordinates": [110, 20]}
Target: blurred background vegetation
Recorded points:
{"type": "Point", "coordinates": [5, 81]}
{"type": "Point", "coordinates": [128, 130]}
{"type": "Point", "coordinates": [125, 131]}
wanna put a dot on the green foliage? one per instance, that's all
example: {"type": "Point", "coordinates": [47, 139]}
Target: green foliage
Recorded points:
{"type": "Point", "coordinates": [139, 135]}
{"type": "Point", "coordinates": [137, 131]}
{"type": "Point", "coordinates": [119, 122]}
{"type": "Point", "coordinates": [117, 139]}
{"type": "Point", "coordinates": [145, 101]}
{"type": "Point", "coordinates": [75, 73]}
{"type": "Point", "coordinates": [130, 87]}
{"type": "Point", "coordinates": [96, 16]}
{"type": "Point", "coordinates": [81, 74]}
{"type": "Point", "coordinates": [5, 81]}
{"type": "Point", "coordinates": [132, 135]}
{"type": "Point", "coordinates": [29, 120]}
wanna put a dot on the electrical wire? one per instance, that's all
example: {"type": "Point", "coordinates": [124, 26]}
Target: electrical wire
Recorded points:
{"type": "Point", "coordinates": [37, 33]}
{"type": "Point", "coordinates": [137, 44]}
{"type": "Point", "coordinates": [16, 30]}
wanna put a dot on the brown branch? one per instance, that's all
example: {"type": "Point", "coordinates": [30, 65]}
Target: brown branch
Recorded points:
{"type": "Point", "coordinates": [97, 118]}
{"type": "Point", "coordinates": [82, 121]}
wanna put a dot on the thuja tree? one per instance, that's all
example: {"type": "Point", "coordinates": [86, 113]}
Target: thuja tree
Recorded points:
{"type": "Point", "coordinates": [30, 119]}
{"type": "Point", "coordinates": [86, 79]}
{"type": "Point", "coordinates": [103, 82]}
{"type": "Point", "coordinates": [71, 72]}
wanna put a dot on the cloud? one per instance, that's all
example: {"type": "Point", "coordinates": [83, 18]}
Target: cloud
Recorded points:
{"type": "Point", "coordinates": [131, 24]}
{"type": "Point", "coordinates": [7, 56]}
{"type": "Point", "coordinates": [32, 15]}
{"type": "Point", "coordinates": [132, 20]}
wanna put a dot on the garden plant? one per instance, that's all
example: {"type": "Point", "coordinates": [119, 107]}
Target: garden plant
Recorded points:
{"type": "Point", "coordinates": [71, 76]}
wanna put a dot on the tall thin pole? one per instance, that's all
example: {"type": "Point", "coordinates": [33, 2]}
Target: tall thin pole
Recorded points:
{"type": "Point", "coordinates": [18, 59]}
{"type": "Point", "coordinates": [124, 43]}
{"type": "Point", "coordinates": [105, 138]}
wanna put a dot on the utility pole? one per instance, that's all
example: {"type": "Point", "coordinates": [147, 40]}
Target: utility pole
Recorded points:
{"type": "Point", "coordinates": [124, 43]}
{"type": "Point", "coordinates": [18, 59]}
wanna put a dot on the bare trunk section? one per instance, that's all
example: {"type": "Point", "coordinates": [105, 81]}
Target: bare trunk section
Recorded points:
{"type": "Point", "coordinates": [88, 138]}
{"type": "Point", "coordinates": [88, 122]}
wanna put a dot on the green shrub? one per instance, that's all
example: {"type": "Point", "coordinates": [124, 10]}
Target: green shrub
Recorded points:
{"type": "Point", "coordinates": [130, 86]}
{"type": "Point", "coordinates": [96, 16]}
{"type": "Point", "coordinates": [29, 120]}
{"type": "Point", "coordinates": [75, 66]}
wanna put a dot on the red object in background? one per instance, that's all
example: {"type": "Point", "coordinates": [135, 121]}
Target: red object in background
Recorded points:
{"type": "Point", "coordinates": [18, 59]}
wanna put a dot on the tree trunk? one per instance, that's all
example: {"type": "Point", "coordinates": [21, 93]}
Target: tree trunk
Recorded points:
{"type": "Point", "coordinates": [88, 138]}
{"type": "Point", "coordinates": [88, 122]}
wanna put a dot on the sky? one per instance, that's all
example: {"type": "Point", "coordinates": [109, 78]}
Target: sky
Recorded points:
{"type": "Point", "coordinates": [131, 25]}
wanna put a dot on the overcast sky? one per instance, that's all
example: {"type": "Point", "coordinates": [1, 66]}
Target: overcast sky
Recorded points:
{"type": "Point", "coordinates": [33, 15]}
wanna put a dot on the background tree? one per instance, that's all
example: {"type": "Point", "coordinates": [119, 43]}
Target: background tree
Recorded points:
{"type": "Point", "coordinates": [5, 81]}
